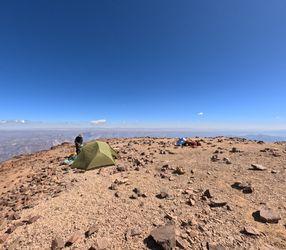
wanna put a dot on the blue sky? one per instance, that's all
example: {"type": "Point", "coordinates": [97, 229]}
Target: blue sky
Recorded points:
{"type": "Point", "coordinates": [210, 64]}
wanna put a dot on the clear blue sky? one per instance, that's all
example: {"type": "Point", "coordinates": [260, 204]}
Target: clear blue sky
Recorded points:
{"type": "Point", "coordinates": [144, 62]}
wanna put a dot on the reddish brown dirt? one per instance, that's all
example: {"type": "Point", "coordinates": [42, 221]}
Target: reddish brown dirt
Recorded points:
{"type": "Point", "coordinates": [68, 202]}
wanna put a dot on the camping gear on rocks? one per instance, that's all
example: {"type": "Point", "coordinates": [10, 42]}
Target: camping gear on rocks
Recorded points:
{"type": "Point", "coordinates": [181, 142]}
{"type": "Point", "coordinates": [187, 142]}
{"type": "Point", "coordinates": [69, 161]}
{"type": "Point", "coordinates": [95, 154]}
{"type": "Point", "coordinates": [192, 143]}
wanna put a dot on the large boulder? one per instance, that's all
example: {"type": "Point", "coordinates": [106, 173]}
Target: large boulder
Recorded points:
{"type": "Point", "coordinates": [165, 236]}
{"type": "Point", "coordinates": [267, 215]}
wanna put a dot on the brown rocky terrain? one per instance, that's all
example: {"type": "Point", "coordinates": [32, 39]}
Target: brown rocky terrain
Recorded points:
{"type": "Point", "coordinates": [228, 193]}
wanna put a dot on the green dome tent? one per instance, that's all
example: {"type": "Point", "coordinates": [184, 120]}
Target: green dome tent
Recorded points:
{"type": "Point", "coordinates": [95, 154]}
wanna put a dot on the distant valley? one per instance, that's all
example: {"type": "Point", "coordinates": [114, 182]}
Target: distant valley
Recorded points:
{"type": "Point", "coordinates": [16, 142]}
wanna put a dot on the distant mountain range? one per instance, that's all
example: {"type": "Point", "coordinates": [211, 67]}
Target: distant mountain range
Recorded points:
{"type": "Point", "coordinates": [266, 138]}
{"type": "Point", "coordinates": [15, 142]}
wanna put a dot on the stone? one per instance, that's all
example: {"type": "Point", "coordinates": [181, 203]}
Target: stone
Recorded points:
{"type": "Point", "coordinates": [250, 231]}
{"type": "Point", "coordinates": [258, 167]}
{"type": "Point", "coordinates": [248, 189]}
{"type": "Point", "coordinates": [214, 158]}
{"type": "Point", "coordinates": [134, 196]}
{"type": "Point", "coordinates": [137, 191]}
{"type": "Point", "coordinates": [162, 152]}
{"type": "Point", "coordinates": [267, 215]}
{"type": "Point", "coordinates": [191, 202]}
{"type": "Point", "coordinates": [13, 216]}
{"type": "Point", "coordinates": [163, 194]}
{"type": "Point", "coordinates": [227, 161]}
{"type": "Point", "coordinates": [245, 187]}
{"type": "Point", "coordinates": [188, 191]}
{"type": "Point", "coordinates": [234, 150]}
{"type": "Point", "coordinates": [208, 194]}
{"type": "Point", "coordinates": [3, 238]}
{"type": "Point", "coordinates": [165, 236]}
{"type": "Point", "coordinates": [191, 221]}
{"type": "Point", "coordinates": [179, 171]}
{"type": "Point", "coordinates": [137, 162]}
{"type": "Point", "coordinates": [211, 246]}
{"type": "Point", "coordinates": [19, 223]}
{"type": "Point", "coordinates": [132, 233]}
{"type": "Point", "coordinates": [182, 244]}
{"type": "Point", "coordinates": [57, 244]}
{"type": "Point", "coordinates": [275, 154]}
{"type": "Point", "coordinates": [135, 232]}
{"type": "Point", "coordinates": [101, 244]}
{"type": "Point", "coordinates": [113, 186]}
{"type": "Point", "coordinates": [120, 168]}
{"type": "Point", "coordinates": [164, 175]}
{"type": "Point", "coordinates": [171, 217]}
{"type": "Point", "coordinates": [74, 238]}
{"type": "Point", "coordinates": [121, 181]}
{"type": "Point", "coordinates": [165, 167]}
{"type": "Point", "coordinates": [11, 229]}
{"type": "Point", "coordinates": [92, 230]}
{"type": "Point", "coordinates": [217, 203]}
{"type": "Point", "coordinates": [32, 219]}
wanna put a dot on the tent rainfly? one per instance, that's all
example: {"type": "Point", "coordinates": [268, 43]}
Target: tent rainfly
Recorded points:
{"type": "Point", "coordinates": [95, 154]}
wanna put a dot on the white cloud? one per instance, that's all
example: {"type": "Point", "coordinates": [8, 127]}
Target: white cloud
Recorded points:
{"type": "Point", "coordinates": [11, 122]}
{"type": "Point", "coordinates": [20, 121]}
{"type": "Point", "coordinates": [200, 114]}
{"type": "Point", "coordinates": [98, 122]}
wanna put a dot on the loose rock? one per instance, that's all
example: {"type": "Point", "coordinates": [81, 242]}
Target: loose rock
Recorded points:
{"type": "Point", "coordinates": [267, 215]}
{"type": "Point", "coordinates": [227, 161]}
{"type": "Point", "coordinates": [74, 238]}
{"type": "Point", "coordinates": [215, 158]}
{"type": "Point", "coordinates": [250, 231]}
{"type": "Point", "coordinates": [11, 229]}
{"type": "Point", "coordinates": [3, 238]}
{"type": "Point", "coordinates": [32, 219]}
{"type": "Point", "coordinates": [208, 194]}
{"type": "Point", "coordinates": [179, 171]}
{"type": "Point", "coordinates": [245, 187]}
{"type": "Point", "coordinates": [211, 246]}
{"type": "Point", "coordinates": [258, 167]}
{"type": "Point", "coordinates": [57, 244]}
{"type": "Point", "coordinates": [182, 244]}
{"type": "Point", "coordinates": [120, 168]}
{"type": "Point", "coordinates": [234, 150]}
{"type": "Point", "coordinates": [165, 237]}
{"type": "Point", "coordinates": [217, 203]}
{"type": "Point", "coordinates": [101, 244]}
{"type": "Point", "coordinates": [113, 186]}
{"type": "Point", "coordinates": [13, 216]}
{"type": "Point", "coordinates": [134, 196]}
{"type": "Point", "coordinates": [164, 194]}
{"type": "Point", "coordinates": [92, 230]}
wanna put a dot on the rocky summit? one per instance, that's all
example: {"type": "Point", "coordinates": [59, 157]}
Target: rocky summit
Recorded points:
{"type": "Point", "coordinates": [224, 193]}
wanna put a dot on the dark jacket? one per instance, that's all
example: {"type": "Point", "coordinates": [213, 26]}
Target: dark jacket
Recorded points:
{"type": "Point", "coordinates": [78, 140]}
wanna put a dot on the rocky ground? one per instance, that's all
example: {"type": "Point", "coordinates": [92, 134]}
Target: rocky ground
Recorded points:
{"type": "Point", "coordinates": [228, 193]}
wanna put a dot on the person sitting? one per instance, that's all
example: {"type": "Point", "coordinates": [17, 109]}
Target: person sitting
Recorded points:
{"type": "Point", "coordinates": [78, 143]}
